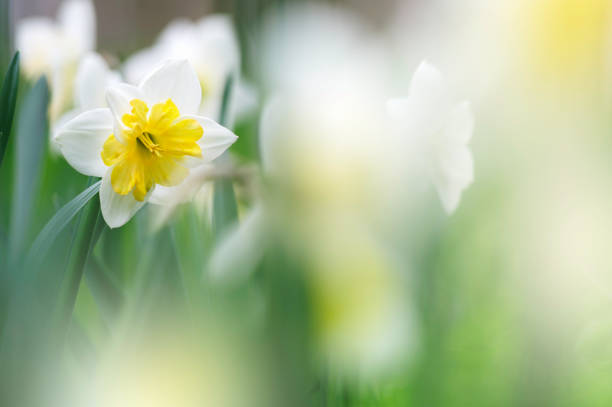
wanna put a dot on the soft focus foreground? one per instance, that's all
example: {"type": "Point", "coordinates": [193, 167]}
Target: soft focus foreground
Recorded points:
{"type": "Point", "coordinates": [286, 203]}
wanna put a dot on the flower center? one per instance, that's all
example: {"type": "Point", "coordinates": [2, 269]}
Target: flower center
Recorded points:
{"type": "Point", "coordinates": [145, 140]}
{"type": "Point", "coordinates": [152, 148]}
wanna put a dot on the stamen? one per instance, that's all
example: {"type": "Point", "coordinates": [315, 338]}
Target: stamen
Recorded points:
{"type": "Point", "coordinates": [146, 140]}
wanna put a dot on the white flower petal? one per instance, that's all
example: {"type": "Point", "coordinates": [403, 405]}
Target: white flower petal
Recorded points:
{"type": "Point", "coordinates": [428, 86]}
{"type": "Point", "coordinates": [82, 138]}
{"type": "Point", "coordinates": [176, 80]}
{"type": "Point", "coordinates": [117, 209]}
{"type": "Point", "coordinates": [136, 67]}
{"type": "Point", "coordinates": [78, 21]}
{"type": "Point", "coordinates": [180, 32]}
{"type": "Point", "coordinates": [460, 125]}
{"type": "Point", "coordinates": [57, 126]}
{"type": "Point", "coordinates": [118, 98]}
{"type": "Point", "coordinates": [216, 138]}
{"type": "Point", "coordinates": [35, 38]}
{"type": "Point", "coordinates": [92, 78]}
{"type": "Point", "coordinates": [218, 38]}
{"type": "Point", "coordinates": [453, 172]}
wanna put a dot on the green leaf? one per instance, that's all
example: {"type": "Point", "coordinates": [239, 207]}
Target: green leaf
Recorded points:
{"type": "Point", "coordinates": [89, 232]}
{"type": "Point", "coordinates": [225, 209]}
{"type": "Point", "coordinates": [31, 143]}
{"type": "Point", "coordinates": [58, 222]}
{"type": "Point", "coordinates": [106, 291]}
{"type": "Point", "coordinates": [8, 100]}
{"type": "Point", "coordinates": [6, 34]}
{"type": "Point", "coordinates": [225, 102]}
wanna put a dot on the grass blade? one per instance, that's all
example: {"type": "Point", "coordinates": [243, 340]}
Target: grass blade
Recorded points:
{"type": "Point", "coordinates": [31, 142]}
{"type": "Point", "coordinates": [89, 233]}
{"type": "Point", "coordinates": [58, 222]}
{"type": "Point", "coordinates": [8, 100]}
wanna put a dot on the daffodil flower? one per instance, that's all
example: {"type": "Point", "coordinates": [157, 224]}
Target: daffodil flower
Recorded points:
{"type": "Point", "coordinates": [429, 124]}
{"type": "Point", "coordinates": [54, 48]}
{"type": "Point", "coordinates": [211, 46]}
{"type": "Point", "coordinates": [149, 135]}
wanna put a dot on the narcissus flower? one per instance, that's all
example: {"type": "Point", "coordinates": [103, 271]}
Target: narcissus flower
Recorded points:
{"type": "Point", "coordinates": [149, 135]}
{"type": "Point", "coordinates": [435, 132]}
{"type": "Point", "coordinates": [54, 48]}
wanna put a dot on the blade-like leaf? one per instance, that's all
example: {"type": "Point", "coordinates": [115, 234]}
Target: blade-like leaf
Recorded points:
{"type": "Point", "coordinates": [90, 229]}
{"type": "Point", "coordinates": [31, 142]}
{"type": "Point", "coordinates": [57, 224]}
{"type": "Point", "coordinates": [225, 102]}
{"type": "Point", "coordinates": [8, 99]}
{"type": "Point", "coordinates": [6, 34]}
{"type": "Point", "coordinates": [106, 291]}
{"type": "Point", "coordinates": [225, 210]}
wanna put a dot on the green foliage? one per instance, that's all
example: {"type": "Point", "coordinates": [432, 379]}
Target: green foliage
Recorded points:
{"type": "Point", "coordinates": [225, 210]}
{"type": "Point", "coordinates": [88, 233]}
{"type": "Point", "coordinates": [58, 223]}
{"type": "Point", "coordinates": [31, 144]}
{"type": "Point", "coordinates": [6, 34]}
{"type": "Point", "coordinates": [8, 100]}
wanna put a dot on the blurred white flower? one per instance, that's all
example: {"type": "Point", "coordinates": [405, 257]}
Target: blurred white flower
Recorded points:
{"type": "Point", "coordinates": [93, 77]}
{"type": "Point", "coordinates": [324, 144]}
{"type": "Point", "coordinates": [211, 46]}
{"type": "Point", "coordinates": [470, 40]}
{"type": "Point", "coordinates": [321, 135]}
{"type": "Point", "coordinates": [435, 132]}
{"type": "Point", "coordinates": [54, 48]}
{"type": "Point", "coordinates": [150, 135]}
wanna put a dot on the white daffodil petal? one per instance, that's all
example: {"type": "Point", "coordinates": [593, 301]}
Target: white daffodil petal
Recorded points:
{"type": "Point", "coordinates": [429, 87]}
{"type": "Point", "coordinates": [78, 21]}
{"type": "Point", "coordinates": [57, 126]}
{"type": "Point", "coordinates": [178, 31]}
{"type": "Point", "coordinates": [218, 36]}
{"type": "Point", "coordinates": [81, 140]}
{"type": "Point", "coordinates": [452, 174]}
{"type": "Point", "coordinates": [174, 80]}
{"type": "Point", "coordinates": [91, 81]}
{"type": "Point", "coordinates": [460, 125]}
{"type": "Point", "coordinates": [118, 98]}
{"type": "Point", "coordinates": [216, 138]}
{"type": "Point", "coordinates": [139, 64]}
{"type": "Point", "coordinates": [116, 209]}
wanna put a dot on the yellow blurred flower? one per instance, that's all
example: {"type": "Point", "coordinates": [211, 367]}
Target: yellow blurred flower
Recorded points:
{"type": "Point", "coordinates": [567, 39]}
